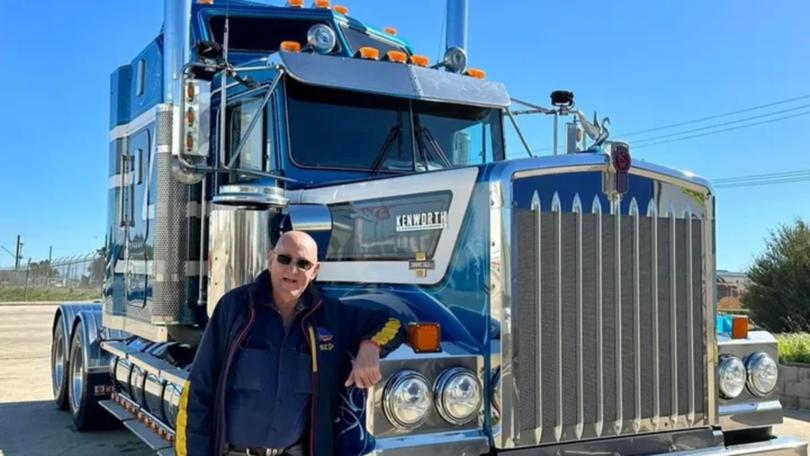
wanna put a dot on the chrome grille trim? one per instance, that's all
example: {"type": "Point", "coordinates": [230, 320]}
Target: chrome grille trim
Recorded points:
{"type": "Point", "coordinates": [673, 313]}
{"type": "Point", "coordinates": [690, 314]}
{"type": "Point", "coordinates": [617, 293]}
{"type": "Point", "coordinates": [576, 207]}
{"type": "Point", "coordinates": [637, 312]}
{"type": "Point", "coordinates": [652, 213]}
{"type": "Point", "coordinates": [538, 212]}
{"type": "Point", "coordinates": [557, 210]}
{"type": "Point", "coordinates": [596, 209]}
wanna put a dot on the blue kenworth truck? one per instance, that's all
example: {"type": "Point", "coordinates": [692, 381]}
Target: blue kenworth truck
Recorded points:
{"type": "Point", "coordinates": [562, 304]}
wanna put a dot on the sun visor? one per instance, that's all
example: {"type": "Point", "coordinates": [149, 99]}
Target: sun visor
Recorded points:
{"type": "Point", "coordinates": [393, 79]}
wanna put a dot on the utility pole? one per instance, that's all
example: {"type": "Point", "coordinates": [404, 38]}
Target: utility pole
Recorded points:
{"type": "Point", "coordinates": [18, 256]}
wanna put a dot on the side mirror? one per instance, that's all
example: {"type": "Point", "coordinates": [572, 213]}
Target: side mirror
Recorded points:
{"type": "Point", "coordinates": [210, 50]}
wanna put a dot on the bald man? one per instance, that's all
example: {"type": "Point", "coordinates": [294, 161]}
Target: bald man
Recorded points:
{"type": "Point", "coordinates": [267, 373]}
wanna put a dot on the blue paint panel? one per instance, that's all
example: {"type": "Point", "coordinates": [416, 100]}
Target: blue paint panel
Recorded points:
{"type": "Point", "coordinates": [152, 58]}
{"type": "Point", "coordinates": [120, 82]}
{"type": "Point", "coordinates": [587, 185]}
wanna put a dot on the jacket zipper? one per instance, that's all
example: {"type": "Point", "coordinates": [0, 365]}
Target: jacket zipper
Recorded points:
{"type": "Point", "coordinates": [223, 434]}
{"type": "Point", "coordinates": [309, 335]}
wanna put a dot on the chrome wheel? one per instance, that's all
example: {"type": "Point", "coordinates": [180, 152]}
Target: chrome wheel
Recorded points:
{"type": "Point", "coordinates": [59, 366]}
{"type": "Point", "coordinates": [76, 377]}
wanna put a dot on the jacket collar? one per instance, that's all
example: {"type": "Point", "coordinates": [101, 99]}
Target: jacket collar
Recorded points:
{"type": "Point", "coordinates": [261, 292]}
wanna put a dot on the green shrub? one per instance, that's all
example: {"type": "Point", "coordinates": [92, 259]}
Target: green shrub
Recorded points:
{"type": "Point", "coordinates": [794, 348]}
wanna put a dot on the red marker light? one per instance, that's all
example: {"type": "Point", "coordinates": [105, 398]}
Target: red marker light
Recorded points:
{"type": "Point", "coordinates": [620, 153]}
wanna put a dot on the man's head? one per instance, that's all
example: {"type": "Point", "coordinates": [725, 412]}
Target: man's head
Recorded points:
{"type": "Point", "coordinates": [293, 264]}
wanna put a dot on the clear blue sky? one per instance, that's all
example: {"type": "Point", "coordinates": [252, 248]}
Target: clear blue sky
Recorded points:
{"type": "Point", "coordinates": [645, 64]}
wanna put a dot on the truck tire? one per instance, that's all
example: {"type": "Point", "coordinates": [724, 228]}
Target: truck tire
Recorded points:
{"type": "Point", "coordinates": [59, 365]}
{"type": "Point", "coordinates": [87, 414]}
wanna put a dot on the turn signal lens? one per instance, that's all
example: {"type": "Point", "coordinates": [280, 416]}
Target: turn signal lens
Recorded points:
{"type": "Point", "coordinates": [397, 56]}
{"type": "Point", "coordinates": [425, 337]}
{"type": "Point", "coordinates": [739, 327]}
{"type": "Point", "coordinates": [291, 46]}
{"type": "Point", "coordinates": [190, 117]}
{"type": "Point", "coordinates": [341, 9]}
{"type": "Point", "coordinates": [420, 60]}
{"type": "Point", "coordinates": [189, 142]}
{"type": "Point", "coordinates": [391, 31]}
{"type": "Point", "coordinates": [476, 73]}
{"type": "Point", "coordinates": [321, 4]}
{"type": "Point", "coordinates": [295, 3]}
{"type": "Point", "coordinates": [368, 52]}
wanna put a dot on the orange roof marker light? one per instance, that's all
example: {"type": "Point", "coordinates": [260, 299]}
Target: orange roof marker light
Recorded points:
{"type": "Point", "coordinates": [290, 46]}
{"type": "Point", "coordinates": [344, 10]}
{"type": "Point", "coordinates": [476, 73]}
{"type": "Point", "coordinates": [205, 2]}
{"type": "Point", "coordinates": [739, 327]}
{"type": "Point", "coordinates": [295, 3]}
{"type": "Point", "coordinates": [322, 4]}
{"type": "Point", "coordinates": [397, 56]}
{"type": "Point", "coordinates": [368, 52]}
{"type": "Point", "coordinates": [391, 31]}
{"type": "Point", "coordinates": [420, 60]}
{"type": "Point", "coordinates": [425, 337]}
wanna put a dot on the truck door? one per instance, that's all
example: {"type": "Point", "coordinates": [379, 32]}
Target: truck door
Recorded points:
{"type": "Point", "coordinates": [137, 213]}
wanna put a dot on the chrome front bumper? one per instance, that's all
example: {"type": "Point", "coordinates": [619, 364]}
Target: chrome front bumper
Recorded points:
{"type": "Point", "coordinates": [780, 446]}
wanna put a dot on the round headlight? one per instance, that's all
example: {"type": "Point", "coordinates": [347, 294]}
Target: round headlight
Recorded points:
{"type": "Point", "coordinates": [406, 400]}
{"type": "Point", "coordinates": [762, 373]}
{"type": "Point", "coordinates": [322, 38]}
{"type": "Point", "coordinates": [458, 395]}
{"type": "Point", "coordinates": [732, 376]}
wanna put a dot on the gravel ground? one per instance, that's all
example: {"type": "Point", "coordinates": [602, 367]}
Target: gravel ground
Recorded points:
{"type": "Point", "coordinates": [31, 425]}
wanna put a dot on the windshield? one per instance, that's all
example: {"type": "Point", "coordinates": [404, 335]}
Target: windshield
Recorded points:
{"type": "Point", "coordinates": [351, 130]}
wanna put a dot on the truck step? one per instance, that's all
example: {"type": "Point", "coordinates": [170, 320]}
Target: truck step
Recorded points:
{"type": "Point", "coordinates": [152, 440]}
{"type": "Point", "coordinates": [116, 410]}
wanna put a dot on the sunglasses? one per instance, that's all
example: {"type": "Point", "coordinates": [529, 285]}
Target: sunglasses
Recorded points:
{"type": "Point", "coordinates": [302, 263]}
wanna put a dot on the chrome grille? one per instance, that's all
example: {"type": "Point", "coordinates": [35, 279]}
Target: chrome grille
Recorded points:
{"type": "Point", "coordinates": [608, 313]}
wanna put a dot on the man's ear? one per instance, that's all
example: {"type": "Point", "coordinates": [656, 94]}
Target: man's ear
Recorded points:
{"type": "Point", "coordinates": [315, 271]}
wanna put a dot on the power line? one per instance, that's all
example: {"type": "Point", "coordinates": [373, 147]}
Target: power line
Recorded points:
{"type": "Point", "coordinates": [717, 116]}
{"type": "Point", "coordinates": [781, 174]}
{"type": "Point", "coordinates": [722, 124]}
{"type": "Point", "coordinates": [722, 131]}
{"type": "Point", "coordinates": [765, 182]}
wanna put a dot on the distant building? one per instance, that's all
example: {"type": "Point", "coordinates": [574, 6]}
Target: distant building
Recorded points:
{"type": "Point", "coordinates": [731, 286]}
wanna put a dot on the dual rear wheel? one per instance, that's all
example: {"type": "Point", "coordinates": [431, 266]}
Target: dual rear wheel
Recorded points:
{"type": "Point", "coordinates": [74, 388]}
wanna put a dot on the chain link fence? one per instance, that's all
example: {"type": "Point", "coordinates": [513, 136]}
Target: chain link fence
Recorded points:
{"type": "Point", "coordinates": [77, 277]}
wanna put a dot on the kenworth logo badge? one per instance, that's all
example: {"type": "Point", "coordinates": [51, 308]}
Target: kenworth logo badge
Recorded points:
{"type": "Point", "coordinates": [422, 221]}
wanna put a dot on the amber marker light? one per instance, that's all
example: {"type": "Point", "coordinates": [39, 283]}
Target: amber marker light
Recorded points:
{"type": "Point", "coordinates": [190, 117]}
{"type": "Point", "coordinates": [368, 52]}
{"type": "Point", "coordinates": [291, 46]}
{"type": "Point", "coordinates": [190, 92]}
{"type": "Point", "coordinates": [425, 337]}
{"type": "Point", "coordinates": [739, 327]}
{"type": "Point", "coordinates": [322, 4]}
{"type": "Point", "coordinates": [397, 56]}
{"type": "Point", "coordinates": [344, 10]}
{"type": "Point", "coordinates": [420, 60]}
{"type": "Point", "coordinates": [295, 3]}
{"type": "Point", "coordinates": [476, 73]}
{"type": "Point", "coordinates": [391, 31]}
{"type": "Point", "coordinates": [205, 2]}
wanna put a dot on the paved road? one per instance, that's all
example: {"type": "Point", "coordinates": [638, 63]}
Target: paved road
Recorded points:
{"type": "Point", "coordinates": [31, 425]}
{"type": "Point", "coordinates": [29, 422]}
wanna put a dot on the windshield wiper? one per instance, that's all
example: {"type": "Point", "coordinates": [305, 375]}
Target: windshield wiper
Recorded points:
{"type": "Point", "coordinates": [382, 152]}
{"type": "Point", "coordinates": [426, 137]}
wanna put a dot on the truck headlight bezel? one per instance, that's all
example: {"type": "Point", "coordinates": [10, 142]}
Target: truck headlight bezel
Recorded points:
{"type": "Point", "coordinates": [457, 395]}
{"type": "Point", "coordinates": [407, 391]}
{"type": "Point", "coordinates": [732, 376]}
{"type": "Point", "coordinates": [756, 366]}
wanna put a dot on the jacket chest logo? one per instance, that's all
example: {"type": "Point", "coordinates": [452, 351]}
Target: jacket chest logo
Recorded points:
{"type": "Point", "coordinates": [325, 338]}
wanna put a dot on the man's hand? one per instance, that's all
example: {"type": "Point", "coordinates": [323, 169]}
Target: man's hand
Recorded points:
{"type": "Point", "coordinates": [366, 367]}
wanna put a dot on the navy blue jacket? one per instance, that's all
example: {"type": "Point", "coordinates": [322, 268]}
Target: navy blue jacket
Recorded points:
{"type": "Point", "coordinates": [332, 331]}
